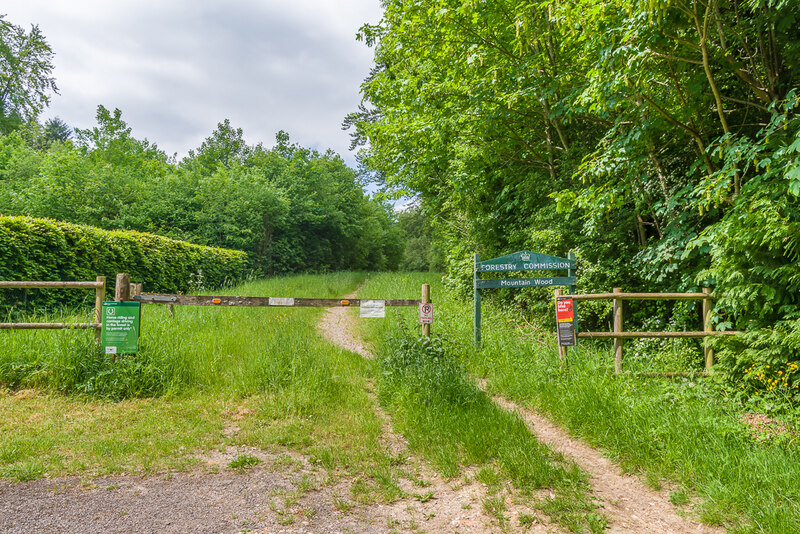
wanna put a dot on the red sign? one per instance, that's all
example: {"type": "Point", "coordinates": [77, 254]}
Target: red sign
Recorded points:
{"type": "Point", "coordinates": [565, 321]}
{"type": "Point", "coordinates": [564, 312]}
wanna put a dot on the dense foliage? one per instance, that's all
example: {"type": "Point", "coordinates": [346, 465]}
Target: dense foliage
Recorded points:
{"type": "Point", "coordinates": [40, 249]}
{"type": "Point", "coordinates": [659, 140]}
{"type": "Point", "coordinates": [26, 64]}
{"type": "Point", "coordinates": [290, 208]}
{"type": "Point", "coordinates": [422, 251]}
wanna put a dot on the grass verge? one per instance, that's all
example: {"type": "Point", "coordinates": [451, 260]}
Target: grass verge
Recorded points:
{"type": "Point", "coordinates": [683, 434]}
{"type": "Point", "coordinates": [207, 378]}
{"type": "Point", "coordinates": [452, 423]}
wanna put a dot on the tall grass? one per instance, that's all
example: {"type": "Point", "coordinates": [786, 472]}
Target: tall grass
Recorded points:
{"type": "Point", "coordinates": [265, 371]}
{"type": "Point", "coordinates": [454, 424]}
{"type": "Point", "coordinates": [240, 350]}
{"type": "Point", "coordinates": [683, 433]}
{"type": "Point", "coordinates": [681, 430]}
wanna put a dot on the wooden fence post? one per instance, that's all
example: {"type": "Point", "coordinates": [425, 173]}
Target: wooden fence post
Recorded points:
{"type": "Point", "coordinates": [477, 298]}
{"type": "Point", "coordinates": [122, 291]}
{"type": "Point", "coordinates": [99, 297]}
{"type": "Point", "coordinates": [707, 350]}
{"type": "Point", "coordinates": [562, 351]}
{"type": "Point", "coordinates": [426, 298]}
{"type": "Point", "coordinates": [618, 341]}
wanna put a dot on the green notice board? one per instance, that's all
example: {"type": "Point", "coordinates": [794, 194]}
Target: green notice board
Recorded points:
{"type": "Point", "coordinates": [524, 260]}
{"type": "Point", "coordinates": [120, 332]}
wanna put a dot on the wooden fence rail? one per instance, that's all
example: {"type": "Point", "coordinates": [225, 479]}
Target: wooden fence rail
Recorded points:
{"type": "Point", "coordinates": [207, 300]}
{"type": "Point", "coordinates": [619, 336]}
{"type": "Point", "coordinates": [99, 286]}
{"type": "Point", "coordinates": [127, 291]}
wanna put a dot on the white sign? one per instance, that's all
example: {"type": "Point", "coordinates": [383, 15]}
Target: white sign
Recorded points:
{"type": "Point", "coordinates": [426, 313]}
{"type": "Point", "coordinates": [275, 301]}
{"type": "Point", "coordinates": [373, 308]}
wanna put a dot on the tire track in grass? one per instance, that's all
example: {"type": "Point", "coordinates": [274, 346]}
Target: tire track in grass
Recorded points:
{"type": "Point", "coordinates": [631, 505]}
{"type": "Point", "coordinates": [445, 506]}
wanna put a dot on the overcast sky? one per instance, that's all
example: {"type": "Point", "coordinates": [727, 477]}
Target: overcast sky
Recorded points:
{"type": "Point", "coordinates": [176, 68]}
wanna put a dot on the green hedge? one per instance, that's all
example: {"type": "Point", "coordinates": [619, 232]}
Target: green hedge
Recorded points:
{"type": "Point", "coordinates": [44, 249]}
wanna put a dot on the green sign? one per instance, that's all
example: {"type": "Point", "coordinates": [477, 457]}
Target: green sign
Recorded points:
{"type": "Point", "coordinates": [526, 282]}
{"type": "Point", "coordinates": [523, 260]}
{"type": "Point", "coordinates": [120, 333]}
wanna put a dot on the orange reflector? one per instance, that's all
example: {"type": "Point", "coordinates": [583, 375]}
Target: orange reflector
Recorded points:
{"type": "Point", "coordinates": [216, 301]}
{"type": "Point", "coordinates": [345, 303]}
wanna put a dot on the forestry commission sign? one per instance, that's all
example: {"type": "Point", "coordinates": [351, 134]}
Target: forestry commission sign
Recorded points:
{"type": "Point", "coordinates": [524, 261]}
{"type": "Point", "coordinates": [520, 261]}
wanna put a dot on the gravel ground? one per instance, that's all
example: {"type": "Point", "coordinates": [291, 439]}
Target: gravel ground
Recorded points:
{"type": "Point", "coordinates": [254, 500]}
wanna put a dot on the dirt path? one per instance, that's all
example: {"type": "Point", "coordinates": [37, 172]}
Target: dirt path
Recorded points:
{"type": "Point", "coordinates": [265, 499]}
{"type": "Point", "coordinates": [456, 505]}
{"type": "Point", "coordinates": [286, 493]}
{"type": "Point", "coordinates": [631, 505]}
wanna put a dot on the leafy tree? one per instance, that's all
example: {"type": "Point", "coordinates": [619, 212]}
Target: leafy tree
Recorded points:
{"type": "Point", "coordinates": [239, 210]}
{"type": "Point", "coordinates": [56, 130]}
{"type": "Point", "coordinates": [290, 208]}
{"type": "Point", "coordinates": [423, 251]}
{"type": "Point", "coordinates": [226, 146]}
{"type": "Point", "coordinates": [26, 64]}
{"type": "Point", "coordinates": [657, 139]}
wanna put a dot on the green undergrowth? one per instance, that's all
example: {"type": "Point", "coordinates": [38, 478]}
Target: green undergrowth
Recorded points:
{"type": "Point", "coordinates": [205, 379]}
{"type": "Point", "coordinates": [239, 350]}
{"type": "Point", "coordinates": [676, 432]}
{"type": "Point", "coordinates": [455, 425]}
{"type": "Point", "coordinates": [685, 435]}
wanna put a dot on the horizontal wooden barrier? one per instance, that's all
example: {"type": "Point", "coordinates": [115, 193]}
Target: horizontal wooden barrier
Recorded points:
{"type": "Point", "coordinates": [208, 300]}
{"type": "Point", "coordinates": [47, 326]}
{"type": "Point", "coordinates": [619, 336]}
{"type": "Point", "coordinates": [52, 285]}
{"type": "Point", "coordinates": [655, 334]}
{"type": "Point", "coordinates": [644, 296]}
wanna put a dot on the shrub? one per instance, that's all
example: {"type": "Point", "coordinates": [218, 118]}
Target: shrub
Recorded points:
{"type": "Point", "coordinates": [44, 249]}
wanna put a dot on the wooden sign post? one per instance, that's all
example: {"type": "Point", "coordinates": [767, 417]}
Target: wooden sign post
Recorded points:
{"type": "Point", "coordinates": [425, 303]}
{"type": "Point", "coordinates": [520, 261]}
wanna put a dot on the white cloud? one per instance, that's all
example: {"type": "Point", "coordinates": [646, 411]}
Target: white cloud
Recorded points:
{"type": "Point", "coordinates": [177, 68]}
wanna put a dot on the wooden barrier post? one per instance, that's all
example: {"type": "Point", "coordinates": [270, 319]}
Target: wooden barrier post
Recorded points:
{"type": "Point", "coordinates": [562, 351]}
{"type": "Point", "coordinates": [707, 350]}
{"type": "Point", "coordinates": [99, 297]}
{"type": "Point", "coordinates": [426, 298]}
{"type": "Point", "coordinates": [618, 341]}
{"type": "Point", "coordinates": [122, 291]}
{"type": "Point", "coordinates": [477, 298]}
